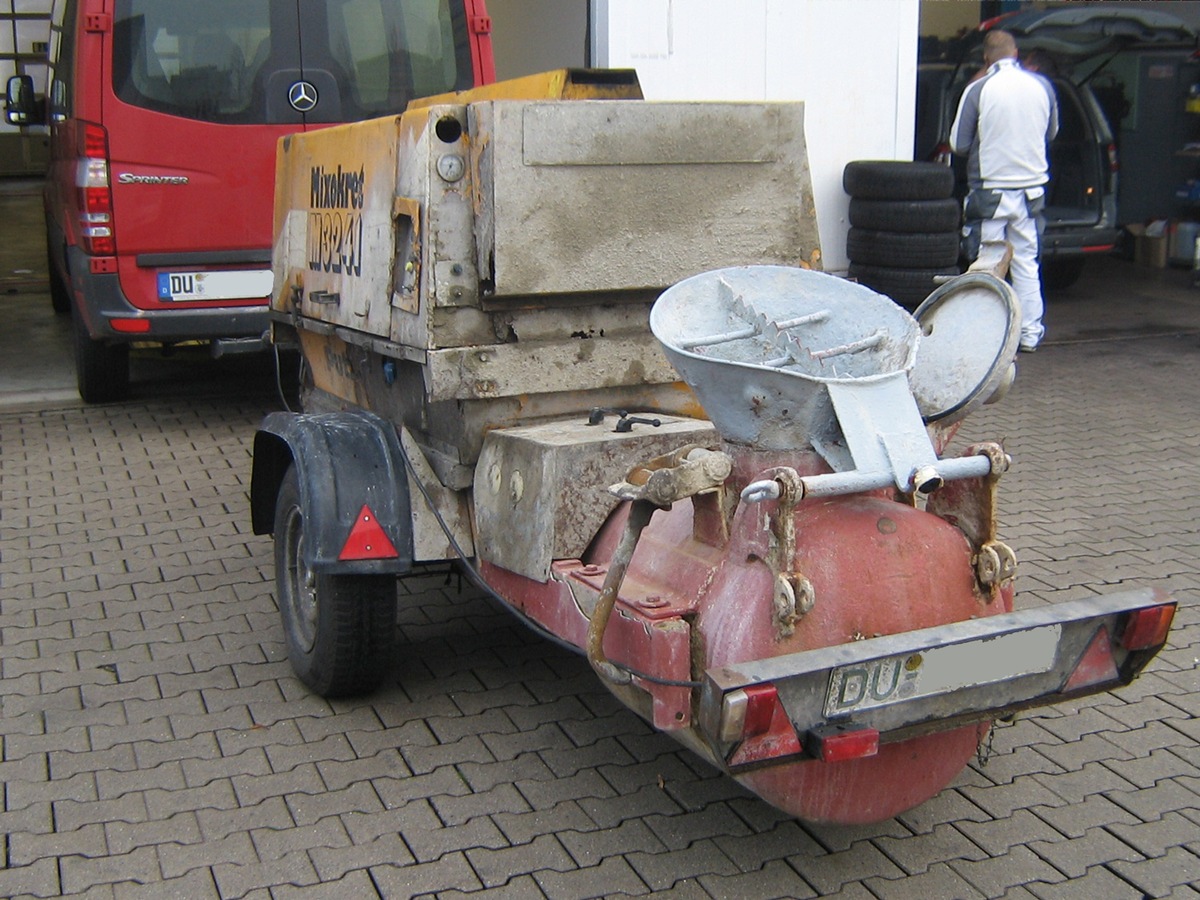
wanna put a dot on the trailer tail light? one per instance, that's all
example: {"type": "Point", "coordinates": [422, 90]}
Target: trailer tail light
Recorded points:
{"type": "Point", "coordinates": [755, 716]}
{"type": "Point", "coordinates": [367, 539]}
{"type": "Point", "coordinates": [1146, 628]}
{"type": "Point", "coordinates": [832, 743]}
{"type": "Point", "coordinates": [94, 192]}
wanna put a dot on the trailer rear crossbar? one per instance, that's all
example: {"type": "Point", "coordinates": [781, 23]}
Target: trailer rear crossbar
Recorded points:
{"type": "Point", "coordinates": [875, 691]}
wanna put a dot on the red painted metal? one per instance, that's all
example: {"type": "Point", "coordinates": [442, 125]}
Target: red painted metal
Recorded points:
{"type": "Point", "coordinates": [691, 602]}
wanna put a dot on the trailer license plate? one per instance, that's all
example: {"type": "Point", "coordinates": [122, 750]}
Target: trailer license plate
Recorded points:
{"type": "Point", "coordinates": [224, 285]}
{"type": "Point", "coordinates": [940, 670]}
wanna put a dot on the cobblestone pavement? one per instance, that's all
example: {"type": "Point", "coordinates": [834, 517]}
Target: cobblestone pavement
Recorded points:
{"type": "Point", "coordinates": [154, 742]}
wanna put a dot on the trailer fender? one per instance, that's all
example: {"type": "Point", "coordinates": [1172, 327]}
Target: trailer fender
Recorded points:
{"type": "Point", "coordinates": [351, 473]}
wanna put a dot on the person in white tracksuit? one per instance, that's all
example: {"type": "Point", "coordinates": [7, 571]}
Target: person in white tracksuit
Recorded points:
{"type": "Point", "coordinates": [1006, 118]}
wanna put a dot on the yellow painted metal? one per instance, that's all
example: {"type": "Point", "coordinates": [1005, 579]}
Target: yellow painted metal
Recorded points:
{"type": "Point", "coordinates": [557, 84]}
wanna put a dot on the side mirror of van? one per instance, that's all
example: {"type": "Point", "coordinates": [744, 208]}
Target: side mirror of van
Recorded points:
{"type": "Point", "coordinates": [21, 106]}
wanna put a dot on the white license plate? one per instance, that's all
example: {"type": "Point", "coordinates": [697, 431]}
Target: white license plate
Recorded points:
{"type": "Point", "coordinates": [242, 285]}
{"type": "Point", "coordinates": [940, 670]}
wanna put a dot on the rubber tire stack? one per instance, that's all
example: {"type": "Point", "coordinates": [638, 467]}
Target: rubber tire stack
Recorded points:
{"type": "Point", "coordinates": [904, 227]}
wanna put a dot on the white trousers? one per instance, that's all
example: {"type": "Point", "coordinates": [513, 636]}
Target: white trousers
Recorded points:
{"type": "Point", "coordinates": [1016, 221]}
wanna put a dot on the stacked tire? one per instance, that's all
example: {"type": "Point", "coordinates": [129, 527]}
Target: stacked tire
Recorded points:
{"type": "Point", "coordinates": [904, 227]}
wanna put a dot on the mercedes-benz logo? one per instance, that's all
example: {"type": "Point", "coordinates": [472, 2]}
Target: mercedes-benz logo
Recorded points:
{"type": "Point", "coordinates": [303, 96]}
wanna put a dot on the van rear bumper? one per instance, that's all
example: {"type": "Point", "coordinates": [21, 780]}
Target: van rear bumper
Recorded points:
{"type": "Point", "coordinates": [110, 316]}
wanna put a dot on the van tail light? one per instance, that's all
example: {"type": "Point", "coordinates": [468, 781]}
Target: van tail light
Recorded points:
{"type": "Point", "coordinates": [94, 192]}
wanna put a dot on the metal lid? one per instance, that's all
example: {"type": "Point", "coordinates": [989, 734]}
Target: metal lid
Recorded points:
{"type": "Point", "coordinates": [970, 328]}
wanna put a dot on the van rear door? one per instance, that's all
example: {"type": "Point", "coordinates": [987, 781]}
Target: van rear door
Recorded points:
{"type": "Point", "coordinates": [200, 94]}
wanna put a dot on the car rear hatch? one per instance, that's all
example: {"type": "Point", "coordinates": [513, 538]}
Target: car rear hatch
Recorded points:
{"type": "Point", "coordinates": [200, 95]}
{"type": "Point", "coordinates": [1078, 43]}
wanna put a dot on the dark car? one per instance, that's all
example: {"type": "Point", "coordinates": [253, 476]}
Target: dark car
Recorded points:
{"type": "Point", "coordinates": [1068, 46]}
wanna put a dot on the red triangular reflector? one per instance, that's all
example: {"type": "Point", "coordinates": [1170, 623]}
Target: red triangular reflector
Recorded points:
{"type": "Point", "coordinates": [1096, 666]}
{"type": "Point", "coordinates": [367, 539]}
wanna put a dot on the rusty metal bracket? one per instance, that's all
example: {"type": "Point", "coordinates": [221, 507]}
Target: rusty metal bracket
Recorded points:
{"type": "Point", "coordinates": [654, 485]}
{"type": "Point", "coordinates": [793, 596]}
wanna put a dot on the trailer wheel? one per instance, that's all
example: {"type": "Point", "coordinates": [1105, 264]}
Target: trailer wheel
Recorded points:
{"type": "Point", "coordinates": [340, 629]}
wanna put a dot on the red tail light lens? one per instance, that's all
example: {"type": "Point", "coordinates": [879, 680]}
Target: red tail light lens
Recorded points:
{"type": "Point", "coordinates": [94, 192]}
{"type": "Point", "coordinates": [1146, 628]}
{"type": "Point", "coordinates": [1112, 157]}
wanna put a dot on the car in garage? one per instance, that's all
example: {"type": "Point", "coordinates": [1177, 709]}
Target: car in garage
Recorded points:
{"type": "Point", "coordinates": [1068, 46]}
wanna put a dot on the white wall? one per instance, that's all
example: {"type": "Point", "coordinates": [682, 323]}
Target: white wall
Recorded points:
{"type": "Point", "coordinates": [538, 35]}
{"type": "Point", "coordinates": [853, 62]}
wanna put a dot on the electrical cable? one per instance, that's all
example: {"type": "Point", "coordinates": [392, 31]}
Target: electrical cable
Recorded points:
{"type": "Point", "coordinates": [476, 579]}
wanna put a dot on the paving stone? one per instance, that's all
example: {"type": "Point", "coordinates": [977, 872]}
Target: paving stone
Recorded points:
{"type": "Point", "coordinates": [831, 871]}
{"type": "Point", "coordinates": [497, 867]}
{"type": "Point", "coordinates": [238, 879]}
{"type": "Point", "coordinates": [353, 884]}
{"type": "Point", "coordinates": [310, 805]}
{"type": "Point", "coordinates": [1075, 856]}
{"type": "Point", "coordinates": [755, 850]}
{"type": "Point", "coordinates": [1154, 839]}
{"type": "Point", "coordinates": [195, 885]}
{"type": "Point", "coordinates": [1159, 876]}
{"type": "Point", "coordinates": [776, 879]}
{"type": "Point", "coordinates": [939, 882]}
{"type": "Point", "coordinates": [451, 872]}
{"type": "Point", "coordinates": [917, 853]}
{"type": "Point", "coordinates": [1075, 820]}
{"type": "Point", "coordinates": [40, 879]}
{"type": "Point", "coordinates": [26, 848]}
{"type": "Point", "coordinates": [456, 810]}
{"type": "Point", "coordinates": [1098, 882]}
{"type": "Point", "coordinates": [612, 877]}
{"type": "Point", "coordinates": [520, 828]}
{"type": "Point", "coordinates": [80, 873]}
{"type": "Point", "coordinates": [125, 837]}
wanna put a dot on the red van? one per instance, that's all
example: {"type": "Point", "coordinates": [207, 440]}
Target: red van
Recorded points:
{"type": "Point", "coordinates": [164, 115]}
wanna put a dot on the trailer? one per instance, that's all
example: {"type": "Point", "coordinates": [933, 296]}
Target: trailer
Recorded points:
{"type": "Point", "coordinates": [581, 344]}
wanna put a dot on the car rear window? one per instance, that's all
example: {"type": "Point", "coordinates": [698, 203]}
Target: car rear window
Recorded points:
{"type": "Point", "coordinates": [213, 60]}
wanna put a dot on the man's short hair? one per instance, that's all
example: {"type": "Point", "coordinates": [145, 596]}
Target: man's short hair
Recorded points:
{"type": "Point", "coordinates": [998, 45]}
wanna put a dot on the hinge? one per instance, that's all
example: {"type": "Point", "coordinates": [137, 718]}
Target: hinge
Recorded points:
{"type": "Point", "coordinates": [480, 24]}
{"type": "Point", "coordinates": [97, 22]}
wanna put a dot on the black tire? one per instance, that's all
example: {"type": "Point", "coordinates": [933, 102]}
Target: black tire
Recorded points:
{"type": "Point", "coordinates": [908, 251]}
{"type": "Point", "coordinates": [908, 287]}
{"type": "Point", "coordinates": [896, 180]}
{"type": "Point", "coordinates": [1060, 273]}
{"type": "Point", "coordinates": [340, 629]}
{"type": "Point", "coordinates": [101, 370]}
{"type": "Point", "coordinates": [60, 297]}
{"type": "Point", "coordinates": [907, 216]}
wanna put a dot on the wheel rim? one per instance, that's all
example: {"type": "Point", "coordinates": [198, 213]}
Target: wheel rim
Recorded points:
{"type": "Point", "coordinates": [300, 591]}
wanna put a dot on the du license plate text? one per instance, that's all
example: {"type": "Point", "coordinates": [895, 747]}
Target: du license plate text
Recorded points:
{"type": "Point", "coordinates": [940, 670]}
{"type": "Point", "coordinates": [242, 285]}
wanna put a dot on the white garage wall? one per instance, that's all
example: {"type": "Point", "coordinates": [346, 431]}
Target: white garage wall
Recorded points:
{"type": "Point", "coordinates": [853, 62]}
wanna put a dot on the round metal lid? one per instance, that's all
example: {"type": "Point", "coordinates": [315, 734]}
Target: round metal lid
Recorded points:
{"type": "Point", "coordinates": [970, 328]}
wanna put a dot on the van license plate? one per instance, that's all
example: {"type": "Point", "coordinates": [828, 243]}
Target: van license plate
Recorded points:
{"type": "Point", "coordinates": [243, 285]}
{"type": "Point", "coordinates": [940, 670]}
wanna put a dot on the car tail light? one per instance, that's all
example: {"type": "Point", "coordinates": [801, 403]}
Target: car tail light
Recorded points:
{"type": "Point", "coordinates": [1113, 162]}
{"type": "Point", "coordinates": [942, 154]}
{"type": "Point", "coordinates": [367, 539]}
{"type": "Point", "coordinates": [94, 192]}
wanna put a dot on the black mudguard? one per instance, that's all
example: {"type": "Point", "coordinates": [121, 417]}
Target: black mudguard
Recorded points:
{"type": "Point", "coordinates": [343, 460]}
